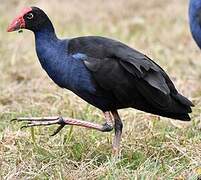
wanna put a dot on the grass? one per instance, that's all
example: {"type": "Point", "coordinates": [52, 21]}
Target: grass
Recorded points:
{"type": "Point", "coordinates": [152, 148]}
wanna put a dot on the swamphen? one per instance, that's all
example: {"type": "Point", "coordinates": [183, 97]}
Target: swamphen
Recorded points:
{"type": "Point", "coordinates": [195, 20]}
{"type": "Point", "coordinates": [104, 72]}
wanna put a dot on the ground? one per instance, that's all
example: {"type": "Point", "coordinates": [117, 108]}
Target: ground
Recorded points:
{"type": "Point", "coordinates": [152, 147]}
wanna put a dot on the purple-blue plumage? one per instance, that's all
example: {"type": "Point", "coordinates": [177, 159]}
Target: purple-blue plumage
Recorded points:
{"type": "Point", "coordinates": [195, 20]}
{"type": "Point", "coordinates": [104, 72]}
{"type": "Point", "coordinates": [68, 70]}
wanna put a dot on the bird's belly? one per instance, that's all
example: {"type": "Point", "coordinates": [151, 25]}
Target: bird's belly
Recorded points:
{"type": "Point", "coordinates": [85, 87]}
{"type": "Point", "coordinates": [101, 101]}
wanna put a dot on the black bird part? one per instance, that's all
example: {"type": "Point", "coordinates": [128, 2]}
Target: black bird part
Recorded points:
{"type": "Point", "coordinates": [104, 72]}
{"type": "Point", "coordinates": [133, 79]}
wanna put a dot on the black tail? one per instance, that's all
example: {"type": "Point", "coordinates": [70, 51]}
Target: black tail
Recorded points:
{"type": "Point", "coordinates": [179, 109]}
{"type": "Point", "coordinates": [182, 116]}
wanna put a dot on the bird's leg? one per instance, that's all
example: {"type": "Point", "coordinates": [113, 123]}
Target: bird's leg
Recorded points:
{"type": "Point", "coordinates": [45, 121]}
{"type": "Point", "coordinates": [118, 126]}
{"type": "Point", "coordinates": [108, 121]}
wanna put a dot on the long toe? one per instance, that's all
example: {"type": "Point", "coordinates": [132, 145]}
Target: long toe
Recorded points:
{"type": "Point", "coordinates": [58, 129]}
{"type": "Point", "coordinates": [40, 123]}
{"type": "Point", "coordinates": [35, 118]}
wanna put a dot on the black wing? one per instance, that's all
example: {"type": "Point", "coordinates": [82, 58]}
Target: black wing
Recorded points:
{"type": "Point", "coordinates": [127, 73]}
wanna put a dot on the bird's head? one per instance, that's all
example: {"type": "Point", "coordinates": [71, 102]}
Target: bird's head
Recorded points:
{"type": "Point", "coordinates": [31, 18]}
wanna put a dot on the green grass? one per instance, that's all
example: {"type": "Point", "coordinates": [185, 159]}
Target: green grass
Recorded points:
{"type": "Point", "coordinates": [151, 148]}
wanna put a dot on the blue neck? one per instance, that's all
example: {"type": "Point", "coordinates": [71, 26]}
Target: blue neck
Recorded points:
{"type": "Point", "coordinates": [46, 43]}
{"type": "Point", "coordinates": [194, 20]}
{"type": "Point", "coordinates": [47, 31]}
{"type": "Point", "coordinates": [45, 35]}
{"type": "Point", "coordinates": [52, 53]}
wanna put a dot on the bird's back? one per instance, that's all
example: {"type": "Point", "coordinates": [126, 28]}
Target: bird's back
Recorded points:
{"type": "Point", "coordinates": [130, 77]}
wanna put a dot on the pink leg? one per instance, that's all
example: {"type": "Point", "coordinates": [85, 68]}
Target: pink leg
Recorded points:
{"type": "Point", "coordinates": [118, 126]}
{"type": "Point", "coordinates": [40, 121]}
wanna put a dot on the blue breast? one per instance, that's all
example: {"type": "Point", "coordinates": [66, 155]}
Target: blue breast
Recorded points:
{"type": "Point", "coordinates": [65, 70]}
{"type": "Point", "coordinates": [68, 70]}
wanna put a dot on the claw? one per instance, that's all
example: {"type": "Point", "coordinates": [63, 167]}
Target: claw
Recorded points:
{"type": "Point", "coordinates": [58, 130]}
{"type": "Point", "coordinates": [28, 125]}
{"type": "Point", "coordinates": [15, 119]}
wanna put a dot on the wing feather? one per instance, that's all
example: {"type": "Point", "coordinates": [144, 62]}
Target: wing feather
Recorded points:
{"type": "Point", "coordinates": [126, 72]}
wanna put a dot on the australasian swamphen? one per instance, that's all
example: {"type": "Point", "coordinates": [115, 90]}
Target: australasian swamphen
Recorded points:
{"type": "Point", "coordinates": [104, 72]}
{"type": "Point", "coordinates": [195, 20]}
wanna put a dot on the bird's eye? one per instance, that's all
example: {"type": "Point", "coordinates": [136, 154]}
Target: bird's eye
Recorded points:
{"type": "Point", "coordinates": [30, 16]}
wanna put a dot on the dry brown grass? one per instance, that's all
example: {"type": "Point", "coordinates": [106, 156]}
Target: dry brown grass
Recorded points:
{"type": "Point", "coordinates": [151, 148]}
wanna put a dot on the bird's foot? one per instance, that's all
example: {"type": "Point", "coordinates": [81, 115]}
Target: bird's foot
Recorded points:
{"type": "Point", "coordinates": [45, 121]}
{"type": "Point", "coordinates": [115, 152]}
{"type": "Point", "coordinates": [42, 121]}
{"type": "Point", "coordinates": [107, 127]}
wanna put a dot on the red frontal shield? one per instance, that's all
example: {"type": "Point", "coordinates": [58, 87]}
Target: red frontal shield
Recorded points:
{"type": "Point", "coordinates": [18, 22]}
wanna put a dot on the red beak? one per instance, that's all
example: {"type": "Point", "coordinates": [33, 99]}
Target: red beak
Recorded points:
{"type": "Point", "coordinates": [18, 22]}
